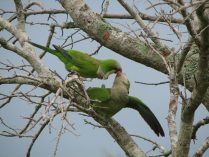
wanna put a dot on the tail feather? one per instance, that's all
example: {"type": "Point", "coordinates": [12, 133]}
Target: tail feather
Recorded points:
{"type": "Point", "coordinates": [146, 114]}
{"type": "Point", "coordinates": [43, 48]}
{"type": "Point", "coordinates": [64, 53]}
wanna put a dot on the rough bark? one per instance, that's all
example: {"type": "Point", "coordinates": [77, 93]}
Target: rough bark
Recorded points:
{"type": "Point", "coordinates": [200, 88]}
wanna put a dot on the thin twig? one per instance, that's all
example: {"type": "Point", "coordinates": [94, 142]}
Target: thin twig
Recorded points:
{"type": "Point", "coordinates": [151, 84]}
{"type": "Point", "coordinates": [36, 137]}
{"type": "Point", "coordinates": [161, 148]}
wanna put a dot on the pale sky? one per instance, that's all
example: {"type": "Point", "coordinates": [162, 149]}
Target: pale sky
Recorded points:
{"type": "Point", "coordinates": [91, 142]}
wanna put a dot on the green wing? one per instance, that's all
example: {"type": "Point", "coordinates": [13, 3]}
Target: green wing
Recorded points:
{"type": "Point", "coordinates": [101, 94]}
{"type": "Point", "coordinates": [65, 53]}
{"type": "Point", "coordinates": [146, 114]}
{"type": "Point", "coordinates": [87, 65]}
{"type": "Point", "coordinates": [78, 58]}
{"type": "Point", "coordinates": [81, 59]}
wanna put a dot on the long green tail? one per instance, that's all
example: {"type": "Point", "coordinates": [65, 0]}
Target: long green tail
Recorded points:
{"type": "Point", "coordinates": [54, 52]}
{"type": "Point", "coordinates": [146, 114]}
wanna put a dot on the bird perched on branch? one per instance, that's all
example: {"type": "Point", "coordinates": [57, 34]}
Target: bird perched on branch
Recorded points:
{"type": "Point", "coordinates": [109, 101]}
{"type": "Point", "coordinates": [85, 65]}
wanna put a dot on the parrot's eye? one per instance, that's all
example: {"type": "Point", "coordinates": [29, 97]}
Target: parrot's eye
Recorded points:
{"type": "Point", "coordinates": [119, 69]}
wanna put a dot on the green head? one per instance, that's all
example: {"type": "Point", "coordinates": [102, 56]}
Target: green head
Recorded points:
{"type": "Point", "coordinates": [111, 65]}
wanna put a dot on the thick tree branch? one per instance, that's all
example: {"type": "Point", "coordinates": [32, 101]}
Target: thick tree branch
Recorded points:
{"type": "Point", "coordinates": [22, 37]}
{"type": "Point", "coordinates": [187, 117]}
{"type": "Point", "coordinates": [19, 79]}
{"type": "Point", "coordinates": [20, 15]}
{"type": "Point", "coordinates": [123, 138]}
{"type": "Point", "coordinates": [202, 149]}
{"type": "Point", "coordinates": [200, 89]}
{"type": "Point", "coordinates": [203, 15]}
{"type": "Point", "coordinates": [174, 95]}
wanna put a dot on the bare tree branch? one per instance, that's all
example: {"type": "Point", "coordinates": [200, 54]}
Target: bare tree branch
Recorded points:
{"type": "Point", "coordinates": [153, 36]}
{"type": "Point", "coordinates": [155, 84]}
{"type": "Point", "coordinates": [27, 51]}
{"type": "Point", "coordinates": [105, 15]}
{"type": "Point", "coordinates": [163, 151]}
{"type": "Point", "coordinates": [187, 16]}
{"type": "Point", "coordinates": [174, 95]}
{"type": "Point", "coordinates": [202, 149]}
{"type": "Point", "coordinates": [143, 16]}
{"type": "Point", "coordinates": [20, 15]}
{"type": "Point", "coordinates": [198, 125]}
{"type": "Point", "coordinates": [36, 137]}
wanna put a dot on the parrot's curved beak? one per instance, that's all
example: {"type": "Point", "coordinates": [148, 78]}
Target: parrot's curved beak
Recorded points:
{"type": "Point", "coordinates": [118, 70]}
{"type": "Point", "coordinates": [118, 73]}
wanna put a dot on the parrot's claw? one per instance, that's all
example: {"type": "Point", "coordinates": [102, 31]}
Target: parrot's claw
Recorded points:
{"type": "Point", "coordinates": [73, 73]}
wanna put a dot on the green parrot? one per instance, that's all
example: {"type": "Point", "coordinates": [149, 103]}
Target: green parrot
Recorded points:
{"type": "Point", "coordinates": [109, 101]}
{"type": "Point", "coordinates": [82, 63]}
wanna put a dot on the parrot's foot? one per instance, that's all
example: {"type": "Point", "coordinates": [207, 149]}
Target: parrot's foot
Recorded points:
{"type": "Point", "coordinates": [71, 78]}
{"type": "Point", "coordinates": [73, 73]}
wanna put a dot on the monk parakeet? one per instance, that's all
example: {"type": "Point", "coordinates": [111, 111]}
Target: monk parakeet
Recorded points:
{"type": "Point", "coordinates": [109, 101]}
{"type": "Point", "coordinates": [82, 63]}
